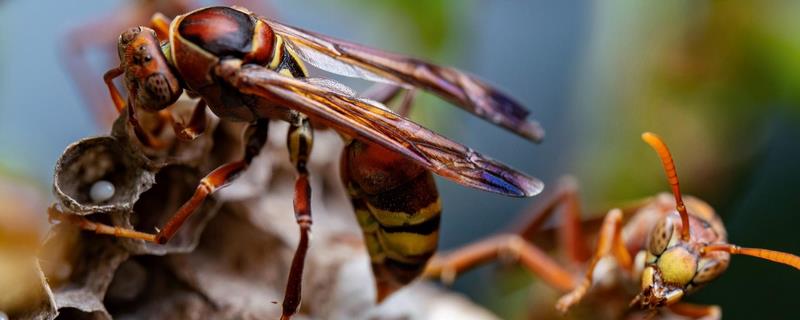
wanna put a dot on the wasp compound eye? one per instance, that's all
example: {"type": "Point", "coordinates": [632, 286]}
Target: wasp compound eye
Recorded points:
{"type": "Point", "coordinates": [158, 93]}
{"type": "Point", "coordinates": [99, 175]}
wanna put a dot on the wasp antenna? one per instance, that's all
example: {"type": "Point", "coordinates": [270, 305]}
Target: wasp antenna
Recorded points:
{"type": "Point", "coordinates": [774, 256]}
{"type": "Point", "coordinates": [672, 176]}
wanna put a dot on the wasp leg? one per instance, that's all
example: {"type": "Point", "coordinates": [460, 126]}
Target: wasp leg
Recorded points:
{"type": "Point", "coordinates": [534, 259]}
{"type": "Point", "coordinates": [255, 137]}
{"type": "Point", "coordinates": [144, 137]}
{"type": "Point", "coordinates": [160, 24]}
{"type": "Point", "coordinates": [108, 78]}
{"type": "Point", "coordinates": [695, 311]}
{"type": "Point", "coordinates": [518, 242]}
{"type": "Point", "coordinates": [299, 142]}
{"type": "Point", "coordinates": [570, 233]}
{"type": "Point", "coordinates": [196, 126]}
{"type": "Point", "coordinates": [99, 228]}
{"type": "Point", "coordinates": [609, 242]}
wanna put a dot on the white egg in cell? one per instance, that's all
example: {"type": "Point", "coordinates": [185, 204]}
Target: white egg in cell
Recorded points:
{"type": "Point", "coordinates": [102, 190]}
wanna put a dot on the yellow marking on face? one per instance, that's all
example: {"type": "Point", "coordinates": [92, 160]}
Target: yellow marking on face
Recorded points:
{"type": "Point", "coordinates": [647, 277]}
{"type": "Point", "coordinates": [394, 219]}
{"type": "Point", "coordinates": [677, 265]}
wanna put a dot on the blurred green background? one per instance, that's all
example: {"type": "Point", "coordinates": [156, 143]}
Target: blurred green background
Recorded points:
{"type": "Point", "coordinates": [719, 80]}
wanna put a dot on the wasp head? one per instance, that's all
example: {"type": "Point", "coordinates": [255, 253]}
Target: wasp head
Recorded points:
{"type": "Point", "coordinates": [148, 75]}
{"type": "Point", "coordinates": [674, 266]}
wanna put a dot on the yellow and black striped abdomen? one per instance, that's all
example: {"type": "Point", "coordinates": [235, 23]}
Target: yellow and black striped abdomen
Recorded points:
{"type": "Point", "coordinates": [398, 208]}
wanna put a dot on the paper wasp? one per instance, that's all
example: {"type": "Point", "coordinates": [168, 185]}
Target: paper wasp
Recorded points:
{"type": "Point", "coordinates": [664, 249]}
{"type": "Point", "coordinates": [248, 68]}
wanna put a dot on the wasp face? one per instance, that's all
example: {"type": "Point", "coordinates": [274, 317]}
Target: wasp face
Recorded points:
{"type": "Point", "coordinates": [148, 75]}
{"type": "Point", "coordinates": [675, 267]}
{"type": "Point", "coordinates": [657, 291]}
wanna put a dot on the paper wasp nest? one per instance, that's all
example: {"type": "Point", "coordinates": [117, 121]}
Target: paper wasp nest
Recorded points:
{"type": "Point", "coordinates": [231, 259]}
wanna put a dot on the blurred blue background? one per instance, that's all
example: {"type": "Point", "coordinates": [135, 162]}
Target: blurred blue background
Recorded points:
{"type": "Point", "coordinates": [719, 81]}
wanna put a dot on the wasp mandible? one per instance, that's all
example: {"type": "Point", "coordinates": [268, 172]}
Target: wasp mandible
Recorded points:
{"type": "Point", "coordinates": [248, 68]}
{"type": "Point", "coordinates": [664, 247]}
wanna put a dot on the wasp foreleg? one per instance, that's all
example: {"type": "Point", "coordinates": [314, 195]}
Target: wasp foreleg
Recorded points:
{"type": "Point", "coordinates": [609, 242]}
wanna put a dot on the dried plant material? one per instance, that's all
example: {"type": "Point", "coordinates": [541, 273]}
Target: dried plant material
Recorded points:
{"type": "Point", "coordinates": [79, 267]}
{"type": "Point", "coordinates": [243, 272]}
{"type": "Point", "coordinates": [145, 288]}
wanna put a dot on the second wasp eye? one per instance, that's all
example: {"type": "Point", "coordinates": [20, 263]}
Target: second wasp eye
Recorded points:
{"type": "Point", "coordinates": [660, 236]}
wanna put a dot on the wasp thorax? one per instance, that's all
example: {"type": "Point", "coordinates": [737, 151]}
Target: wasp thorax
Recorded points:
{"type": "Point", "coordinates": [148, 74]}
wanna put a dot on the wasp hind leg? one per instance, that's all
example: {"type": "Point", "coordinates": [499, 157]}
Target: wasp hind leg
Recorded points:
{"type": "Point", "coordinates": [299, 141]}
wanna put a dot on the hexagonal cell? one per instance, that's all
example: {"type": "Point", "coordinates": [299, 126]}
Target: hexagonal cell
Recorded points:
{"type": "Point", "coordinates": [88, 161]}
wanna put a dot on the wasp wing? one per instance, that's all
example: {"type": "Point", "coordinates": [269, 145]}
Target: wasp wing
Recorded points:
{"type": "Point", "coordinates": [371, 121]}
{"type": "Point", "coordinates": [353, 60]}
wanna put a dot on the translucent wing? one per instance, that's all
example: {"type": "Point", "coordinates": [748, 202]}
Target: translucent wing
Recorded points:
{"type": "Point", "coordinates": [371, 121]}
{"type": "Point", "coordinates": [353, 60]}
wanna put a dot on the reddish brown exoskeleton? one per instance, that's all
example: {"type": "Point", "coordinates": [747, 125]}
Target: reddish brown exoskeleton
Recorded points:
{"type": "Point", "coordinates": [99, 36]}
{"type": "Point", "coordinates": [664, 248]}
{"type": "Point", "coordinates": [248, 68]}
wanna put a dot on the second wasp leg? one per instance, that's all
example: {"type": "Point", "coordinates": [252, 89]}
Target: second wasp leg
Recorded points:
{"type": "Point", "coordinates": [531, 257]}
{"type": "Point", "coordinates": [255, 138]}
{"type": "Point", "coordinates": [694, 311]}
{"type": "Point", "coordinates": [518, 244]}
{"type": "Point", "coordinates": [609, 242]}
{"type": "Point", "coordinates": [570, 233]}
{"type": "Point", "coordinates": [299, 140]}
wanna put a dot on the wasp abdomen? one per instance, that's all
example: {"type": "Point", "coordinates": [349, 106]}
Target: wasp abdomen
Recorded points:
{"type": "Point", "coordinates": [398, 207]}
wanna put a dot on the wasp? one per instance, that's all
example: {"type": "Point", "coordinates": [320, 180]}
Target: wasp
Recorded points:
{"type": "Point", "coordinates": [663, 248]}
{"type": "Point", "coordinates": [97, 35]}
{"type": "Point", "coordinates": [252, 69]}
